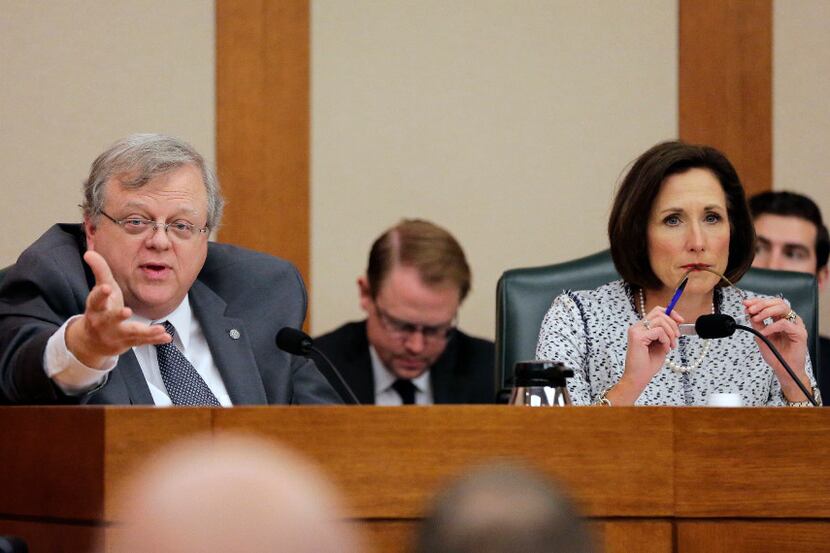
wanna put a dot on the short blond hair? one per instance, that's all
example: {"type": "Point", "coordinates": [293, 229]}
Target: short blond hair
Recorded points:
{"type": "Point", "coordinates": [428, 248]}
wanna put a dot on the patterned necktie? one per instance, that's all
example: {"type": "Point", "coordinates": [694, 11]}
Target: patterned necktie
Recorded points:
{"type": "Point", "coordinates": [183, 383]}
{"type": "Point", "coordinates": [405, 389]}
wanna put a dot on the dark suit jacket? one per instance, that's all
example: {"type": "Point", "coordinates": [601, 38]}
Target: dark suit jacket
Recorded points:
{"type": "Point", "coordinates": [464, 373]}
{"type": "Point", "coordinates": [251, 292]}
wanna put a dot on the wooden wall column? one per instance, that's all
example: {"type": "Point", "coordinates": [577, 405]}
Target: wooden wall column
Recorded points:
{"type": "Point", "coordinates": [262, 125]}
{"type": "Point", "coordinates": [725, 82]}
{"type": "Point", "coordinates": [263, 110]}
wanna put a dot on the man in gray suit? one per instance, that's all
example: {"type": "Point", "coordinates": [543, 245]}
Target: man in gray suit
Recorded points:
{"type": "Point", "coordinates": [135, 306]}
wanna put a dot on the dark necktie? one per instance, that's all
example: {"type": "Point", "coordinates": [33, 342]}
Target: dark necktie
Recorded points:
{"type": "Point", "coordinates": [405, 389]}
{"type": "Point", "coordinates": [183, 383]}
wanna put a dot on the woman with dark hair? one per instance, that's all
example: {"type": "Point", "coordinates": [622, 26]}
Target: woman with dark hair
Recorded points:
{"type": "Point", "coordinates": [679, 214]}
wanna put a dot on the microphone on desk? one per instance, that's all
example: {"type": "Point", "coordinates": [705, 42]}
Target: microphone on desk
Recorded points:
{"type": "Point", "coordinates": [297, 342]}
{"type": "Point", "coordinates": [719, 325]}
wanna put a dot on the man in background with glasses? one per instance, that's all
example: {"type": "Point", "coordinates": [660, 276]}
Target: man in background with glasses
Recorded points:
{"type": "Point", "coordinates": [135, 306]}
{"type": "Point", "coordinates": [792, 236]}
{"type": "Point", "coordinates": [409, 349]}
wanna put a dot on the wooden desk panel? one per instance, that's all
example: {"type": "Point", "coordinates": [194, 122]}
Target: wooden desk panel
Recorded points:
{"type": "Point", "coordinates": [68, 462]}
{"type": "Point", "coordinates": [610, 536]}
{"type": "Point", "coordinates": [53, 537]}
{"type": "Point", "coordinates": [640, 536]}
{"type": "Point", "coordinates": [772, 462]}
{"type": "Point", "coordinates": [134, 434]}
{"type": "Point", "coordinates": [389, 460]}
{"type": "Point", "coordinates": [765, 536]}
{"type": "Point", "coordinates": [52, 462]}
{"type": "Point", "coordinates": [651, 479]}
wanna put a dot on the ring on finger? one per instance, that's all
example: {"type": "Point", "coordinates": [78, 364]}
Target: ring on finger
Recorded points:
{"type": "Point", "coordinates": [791, 316]}
{"type": "Point", "coordinates": [647, 324]}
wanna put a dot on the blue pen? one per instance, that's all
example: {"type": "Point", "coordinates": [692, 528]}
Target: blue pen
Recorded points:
{"type": "Point", "coordinates": [677, 294]}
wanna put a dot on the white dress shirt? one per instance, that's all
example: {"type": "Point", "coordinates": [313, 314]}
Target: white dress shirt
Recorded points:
{"type": "Point", "coordinates": [75, 378]}
{"type": "Point", "coordinates": [384, 378]}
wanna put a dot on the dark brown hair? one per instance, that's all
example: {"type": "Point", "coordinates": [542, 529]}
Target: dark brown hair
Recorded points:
{"type": "Point", "coordinates": [628, 224]}
{"type": "Point", "coordinates": [430, 249]}
{"type": "Point", "coordinates": [792, 204]}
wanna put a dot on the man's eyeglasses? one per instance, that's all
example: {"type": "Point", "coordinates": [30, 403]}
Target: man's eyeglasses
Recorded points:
{"type": "Point", "coordinates": [137, 226]}
{"type": "Point", "coordinates": [404, 329]}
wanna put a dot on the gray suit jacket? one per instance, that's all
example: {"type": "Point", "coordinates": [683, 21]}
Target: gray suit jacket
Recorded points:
{"type": "Point", "coordinates": [254, 293]}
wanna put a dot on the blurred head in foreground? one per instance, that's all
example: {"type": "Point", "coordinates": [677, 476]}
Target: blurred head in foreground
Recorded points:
{"type": "Point", "coordinates": [503, 509]}
{"type": "Point", "coordinates": [230, 494]}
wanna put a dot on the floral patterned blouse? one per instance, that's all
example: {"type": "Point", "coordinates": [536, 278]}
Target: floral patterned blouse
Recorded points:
{"type": "Point", "coordinates": [588, 332]}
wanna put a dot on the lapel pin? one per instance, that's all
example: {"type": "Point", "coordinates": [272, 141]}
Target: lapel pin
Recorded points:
{"type": "Point", "coordinates": [234, 334]}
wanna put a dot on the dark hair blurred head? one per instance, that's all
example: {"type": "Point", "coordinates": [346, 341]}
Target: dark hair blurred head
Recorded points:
{"type": "Point", "coordinates": [791, 204]}
{"type": "Point", "coordinates": [502, 509]}
{"type": "Point", "coordinates": [628, 224]}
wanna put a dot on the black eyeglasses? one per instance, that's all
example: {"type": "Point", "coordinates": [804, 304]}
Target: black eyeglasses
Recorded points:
{"type": "Point", "coordinates": [136, 226]}
{"type": "Point", "coordinates": [404, 329]}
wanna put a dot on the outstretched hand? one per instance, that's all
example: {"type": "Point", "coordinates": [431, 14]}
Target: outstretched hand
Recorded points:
{"type": "Point", "coordinates": [104, 331]}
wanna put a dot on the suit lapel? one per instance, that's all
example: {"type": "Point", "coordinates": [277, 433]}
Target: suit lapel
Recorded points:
{"type": "Point", "coordinates": [364, 379]}
{"type": "Point", "coordinates": [129, 378]}
{"type": "Point", "coordinates": [231, 351]}
{"type": "Point", "coordinates": [446, 387]}
{"type": "Point", "coordinates": [359, 364]}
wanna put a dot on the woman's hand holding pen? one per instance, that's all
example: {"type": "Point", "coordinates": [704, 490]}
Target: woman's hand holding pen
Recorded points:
{"type": "Point", "coordinates": [649, 341]}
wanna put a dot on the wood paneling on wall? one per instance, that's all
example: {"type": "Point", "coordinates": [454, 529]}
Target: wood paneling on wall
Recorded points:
{"type": "Point", "coordinates": [263, 110]}
{"type": "Point", "coordinates": [726, 82]}
{"type": "Point", "coordinates": [262, 125]}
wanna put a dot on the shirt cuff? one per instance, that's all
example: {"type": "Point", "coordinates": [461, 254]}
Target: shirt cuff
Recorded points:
{"type": "Point", "coordinates": [70, 375]}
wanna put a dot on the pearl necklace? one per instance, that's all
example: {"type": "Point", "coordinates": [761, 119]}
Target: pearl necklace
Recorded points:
{"type": "Point", "coordinates": [677, 367]}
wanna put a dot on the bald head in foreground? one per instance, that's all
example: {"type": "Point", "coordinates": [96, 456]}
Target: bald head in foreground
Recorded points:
{"type": "Point", "coordinates": [503, 509]}
{"type": "Point", "coordinates": [230, 495]}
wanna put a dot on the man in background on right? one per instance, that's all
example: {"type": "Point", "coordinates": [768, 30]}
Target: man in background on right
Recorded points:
{"type": "Point", "coordinates": [793, 237]}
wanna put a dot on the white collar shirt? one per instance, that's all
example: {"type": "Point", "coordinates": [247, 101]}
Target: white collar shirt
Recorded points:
{"type": "Point", "coordinates": [191, 342]}
{"type": "Point", "coordinates": [384, 378]}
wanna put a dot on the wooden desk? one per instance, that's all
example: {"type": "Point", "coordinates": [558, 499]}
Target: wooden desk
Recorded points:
{"type": "Point", "coordinates": [651, 479]}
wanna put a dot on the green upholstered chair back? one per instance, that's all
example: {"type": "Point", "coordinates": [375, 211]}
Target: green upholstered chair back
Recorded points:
{"type": "Point", "coordinates": [523, 296]}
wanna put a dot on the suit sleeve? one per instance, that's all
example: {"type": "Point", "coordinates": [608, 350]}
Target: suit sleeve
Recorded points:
{"type": "Point", "coordinates": [34, 302]}
{"type": "Point", "coordinates": [309, 386]}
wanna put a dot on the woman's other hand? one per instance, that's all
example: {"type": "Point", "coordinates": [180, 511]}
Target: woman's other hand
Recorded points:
{"type": "Point", "coordinates": [788, 337]}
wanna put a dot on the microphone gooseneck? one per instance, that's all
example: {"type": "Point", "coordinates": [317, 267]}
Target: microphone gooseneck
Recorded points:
{"type": "Point", "coordinates": [721, 326]}
{"type": "Point", "coordinates": [297, 342]}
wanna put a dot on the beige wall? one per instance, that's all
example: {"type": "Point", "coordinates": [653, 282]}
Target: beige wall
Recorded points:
{"type": "Point", "coordinates": [506, 122]}
{"type": "Point", "coordinates": [79, 75]}
{"type": "Point", "coordinates": [801, 105]}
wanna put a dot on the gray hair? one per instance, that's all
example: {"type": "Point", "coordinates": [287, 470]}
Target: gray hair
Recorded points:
{"type": "Point", "coordinates": [138, 159]}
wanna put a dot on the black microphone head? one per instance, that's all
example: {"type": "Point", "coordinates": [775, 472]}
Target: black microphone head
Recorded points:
{"type": "Point", "coordinates": [294, 341]}
{"type": "Point", "coordinates": [715, 326]}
